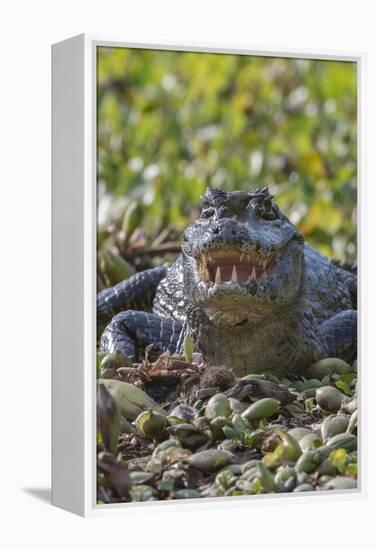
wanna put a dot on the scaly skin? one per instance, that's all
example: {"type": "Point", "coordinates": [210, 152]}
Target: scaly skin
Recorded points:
{"type": "Point", "coordinates": [249, 291]}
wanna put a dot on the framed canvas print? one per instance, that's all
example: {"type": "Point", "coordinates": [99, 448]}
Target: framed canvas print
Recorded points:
{"type": "Point", "coordinates": [206, 249]}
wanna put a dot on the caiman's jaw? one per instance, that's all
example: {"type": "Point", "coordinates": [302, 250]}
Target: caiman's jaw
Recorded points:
{"type": "Point", "coordinates": [231, 266]}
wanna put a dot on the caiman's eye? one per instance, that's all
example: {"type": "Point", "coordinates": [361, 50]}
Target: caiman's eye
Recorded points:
{"type": "Point", "coordinates": [207, 212]}
{"type": "Point", "coordinates": [267, 210]}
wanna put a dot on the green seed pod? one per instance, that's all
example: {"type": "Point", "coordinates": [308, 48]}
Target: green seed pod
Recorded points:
{"type": "Point", "coordinates": [342, 441]}
{"type": "Point", "coordinates": [115, 360]}
{"type": "Point", "coordinates": [131, 220]}
{"type": "Point", "coordinates": [130, 400]}
{"type": "Point", "coordinates": [283, 474]}
{"type": "Point", "coordinates": [302, 477]}
{"type": "Point", "coordinates": [303, 487]}
{"type": "Point", "coordinates": [266, 478]}
{"type": "Point", "coordinates": [333, 425]}
{"type": "Point", "coordinates": [225, 479]}
{"type": "Point", "coordinates": [298, 433]}
{"type": "Point", "coordinates": [229, 432]}
{"type": "Point", "coordinates": [151, 424]}
{"type": "Point", "coordinates": [350, 406]}
{"type": "Point", "coordinates": [236, 405]}
{"type": "Point", "coordinates": [211, 460]}
{"type": "Point", "coordinates": [127, 427]}
{"type": "Point", "coordinates": [308, 461]}
{"type": "Point", "coordinates": [327, 468]}
{"type": "Point", "coordinates": [114, 268]}
{"type": "Point", "coordinates": [353, 422]}
{"type": "Point", "coordinates": [327, 366]}
{"type": "Point", "coordinates": [167, 444]}
{"type": "Point", "coordinates": [218, 405]}
{"type": "Point", "coordinates": [310, 441]}
{"type": "Point", "coordinates": [329, 398]}
{"type": "Point", "coordinates": [188, 348]}
{"type": "Point", "coordinates": [340, 483]}
{"type": "Point", "coordinates": [261, 409]}
{"type": "Point", "coordinates": [291, 448]}
{"type": "Point", "coordinates": [250, 439]}
{"type": "Point", "coordinates": [233, 469]}
{"type": "Point", "coordinates": [217, 425]}
{"type": "Point", "coordinates": [184, 412]}
{"type": "Point", "coordinates": [239, 423]}
{"type": "Point", "coordinates": [108, 419]}
{"type": "Point", "coordinates": [249, 464]}
{"type": "Point", "coordinates": [325, 478]}
{"type": "Point", "coordinates": [187, 493]}
{"type": "Point", "coordinates": [140, 478]}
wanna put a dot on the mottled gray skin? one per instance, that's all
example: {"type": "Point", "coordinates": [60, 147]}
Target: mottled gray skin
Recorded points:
{"type": "Point", "coordinates": [302, 310]}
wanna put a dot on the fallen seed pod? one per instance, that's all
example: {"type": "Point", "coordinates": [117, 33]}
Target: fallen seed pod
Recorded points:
{"type": "Point", "coordinates": [115, 360]}
{"type": "Point", "coordinates": [265, 477]}
{"type": "Point", "coordinates": [340, 483]}
{"type": "Point", "coordinates": [283, 474]}
{"type": "Point", "coordinates": [188, 348]}
{"type": "Point", "coordinates": [218, 405]}
{"type": "Point", "coordinates": [130, 399]}
{"type": "Point", "coordinates": [187, 493]}
{"type": "Point", "coordinates": [298, 433]}
{"type": "Point", "coordinates": [151, 424]}
{"type": "Point", "coordinates": [310, 441]}
{"type": "Point", "coordinates": [329, 398]}
{"type": "Point", "coordinates": [323, 479]}
{"type": "Point", "coordinates": [350, 405]}
{"type": "Point", "coordinates": [239, 423]}
{"type": "Point", "coordinates": [261, 409]}
{"type": "Point", "coordinates": [217, 425]}
{"type": "Point", "coordinates": [303, 487]}
{"type": "Point", "coordinates": [184, 412]}
{"type": "Point", "coordinates": [108, 419]}
{"type": "Point", "coordinates": [236, 405]}
{"type": "Point", "coordinates": [248, 465]}
{"type": "Point", "coordinates": [327, 366]}
{"type": "Point", "coordinates": [327, 468]}
{"type": "Point", "coordinates": [140, 478]}
{"type": "Point", "coordinates": [167, 444]}
{"type": "Point", "coordinates": [353, 422]}
{"type": "Point", "coordinates": [291, 448]}
{"type": "Point", "coordinates": [308, 461]}
{"type": "Point", "coordinates": [342, 441]}
{"type": "Point", "coordinates": [211, 460]}
{"type": "Point", "coordinates": [333, 425]}
{"type": "Point", "coordinates": [229, 432]}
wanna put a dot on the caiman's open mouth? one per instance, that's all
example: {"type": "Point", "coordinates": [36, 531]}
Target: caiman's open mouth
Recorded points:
{"type": "Point", "coordinates": [228, 266]}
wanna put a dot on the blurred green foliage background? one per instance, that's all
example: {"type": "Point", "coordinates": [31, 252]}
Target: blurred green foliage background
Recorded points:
{"type": "Point", "coordinates": [172, 123]}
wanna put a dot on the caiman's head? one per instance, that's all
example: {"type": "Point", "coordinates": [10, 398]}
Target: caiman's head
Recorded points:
{"type": "Point", "coordinates": [242, 257]}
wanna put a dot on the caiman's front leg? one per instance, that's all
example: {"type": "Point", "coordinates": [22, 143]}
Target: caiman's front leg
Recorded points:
{"type": "Point", "coordinates": [135, 293]}
{"type": "Point", "coordinates": [133, 331]}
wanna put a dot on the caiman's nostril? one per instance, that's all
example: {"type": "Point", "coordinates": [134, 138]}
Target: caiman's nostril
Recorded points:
{"type": "Point", "coordinates": [216, 230]}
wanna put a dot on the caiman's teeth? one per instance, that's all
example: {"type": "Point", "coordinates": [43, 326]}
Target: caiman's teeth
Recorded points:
{"type": "Point", "coordinates": [218, 278]}
{"type": "Point", "coordinates": [241, 256]}
{"type": "Point", "coordinates": [264, 275]}
{"type": "Point", "coordinates": [234, 275]}
{"type": "Point", "coordinates": [264, 264]}
{"type": "Point", "coordinates": [205, 274]}
{"type": "Point", "coordinates": [253, 275]}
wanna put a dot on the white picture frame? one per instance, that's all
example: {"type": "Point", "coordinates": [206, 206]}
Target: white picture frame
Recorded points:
{"type": "Point", "coordinates": [74, 266]}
